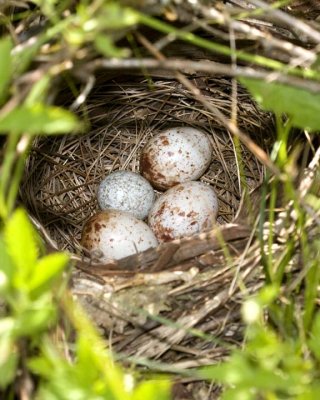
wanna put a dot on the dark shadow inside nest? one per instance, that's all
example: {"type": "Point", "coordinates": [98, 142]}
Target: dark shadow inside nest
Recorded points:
{"type": "Point", "coordinates": [62, 173]}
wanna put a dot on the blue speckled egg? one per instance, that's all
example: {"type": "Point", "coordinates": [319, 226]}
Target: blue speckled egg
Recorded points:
{"type": "Point", "coordinates": [126, 191]}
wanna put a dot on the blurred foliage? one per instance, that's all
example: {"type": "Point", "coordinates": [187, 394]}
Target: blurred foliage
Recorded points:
{"type": "Point", "coordinates": [301, 106]}
{"type": "Point", "coordinates": [269, 366]}
{"type": "Point", "coordinates": [34, 295]}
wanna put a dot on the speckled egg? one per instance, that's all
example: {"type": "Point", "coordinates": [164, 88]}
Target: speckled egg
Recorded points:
{"type": "Point", "coordinates": [126, 191]}
{"type": "Point", "coordinates": [174, 156]}
{"type": "Point", "coordinates": [184, 210]}
{"type": "Point", "coordinates": [112, 235]}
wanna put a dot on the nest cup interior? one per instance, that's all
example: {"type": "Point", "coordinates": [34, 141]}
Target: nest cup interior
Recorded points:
{"type": "Point", "coordinates": [62, 172]}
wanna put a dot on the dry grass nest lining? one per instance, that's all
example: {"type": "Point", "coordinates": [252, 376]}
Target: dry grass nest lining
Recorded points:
{"type": "Point", "coordinates": [191, 281]}
{"type": "Point", "coordinates": [62, 173]}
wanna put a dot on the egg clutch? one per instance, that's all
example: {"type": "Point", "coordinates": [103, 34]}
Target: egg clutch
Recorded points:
{"type": "Point", "coordinates": [171, 161]}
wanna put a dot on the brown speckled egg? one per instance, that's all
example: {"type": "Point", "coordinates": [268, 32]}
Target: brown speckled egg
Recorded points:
{"type": "Point", "coordinates": [184, 210]}
{"type": "Point", "coordinates": [112, 235]}
{"type": "Point", "coordinates": [174, 156]}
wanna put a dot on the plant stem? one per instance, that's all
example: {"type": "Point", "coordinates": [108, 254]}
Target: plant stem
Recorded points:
{"type": "Point", "coordinates": [222, 49]}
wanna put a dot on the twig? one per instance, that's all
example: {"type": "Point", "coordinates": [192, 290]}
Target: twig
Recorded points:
{"type": "Point", "coordinates": [208, 67]}
{"type": "Point", "coordinates": [289, 20]}
{"type": "Point", "coordinates": [44, 233]}
{"type": "Point", "coordinates": [84, 94]}
{"type": "Point", "coordinates": [266, 39]}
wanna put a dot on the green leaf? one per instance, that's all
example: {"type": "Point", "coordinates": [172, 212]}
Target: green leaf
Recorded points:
{"type": "Point", "coordinates": [22, 247]}
{"type": "Point", "coordinates": [314, 342]}
{"type": "Point", "coordinates": [6, 266]}
{"type": "Point", "coordinates": [310, 393]}
{"type": "Point", "coordinates": [36, 316]}
{"type": "Point", "coordinates": [310, 293]}
{"type": "Point", "coordinates": [39, 119]}
{"type": "Point", "coordinates": [302, 106]}
{"type": "Point", "coordinates": [106, 47]}
{"type": "Point", "coordinates": [39, 90]}
{"type": "Point", "coordinates": [313, 201]}
{"type": "Point", "coordinates": [90, 354]}
{"type": "Point", "coordinates": [22, 59]}
{"type": "Point", "coordinates": [239, 371]}
{"type": "Point", "coordinates": [8, 369]}
{"type": "Point", "coordinates": [6, 329]}
{"type": "Point", "coordinates": [5, 66]}
{"type": "Point", "coordinates": [239, 394]}
{"type": "Point", "coordinates": [150, 390]}
{"type": "Point", "coordinates": [114, 17]}
{"type": "Point", "coordinates": [46, 269]}
{"type": "Point", "coordinates": [8, 356]}
{"type": "Point", "coordinates": [41, 366]}
{"type": "Point", "coordinates": [64, 380]}
{"type": "Point", "coordinates": [86, 359]}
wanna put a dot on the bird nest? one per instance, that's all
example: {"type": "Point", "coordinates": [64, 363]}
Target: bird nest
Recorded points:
{"type": "Point", "coordinates": [147, 303]}
{"type": "Point", "coordinates": [62, 173]}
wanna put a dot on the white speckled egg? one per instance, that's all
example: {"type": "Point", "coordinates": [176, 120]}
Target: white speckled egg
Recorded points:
{"type": "Point", "coordinates": [126, 191]}
{"type": "Point", "coordinates": [112, 235]}
{"type": "Point", "coordinates": [184, 210]}
{"type": "Point", "coordinates": [174, 156]}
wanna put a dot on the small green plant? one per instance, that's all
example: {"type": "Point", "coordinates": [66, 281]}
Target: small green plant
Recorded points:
{"type": "Point", "coordinates": [270, 366]}
{"type": "Point", "coordinates": [35, 302]}
{"type": "Point", "coordinates": [280, 356]}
